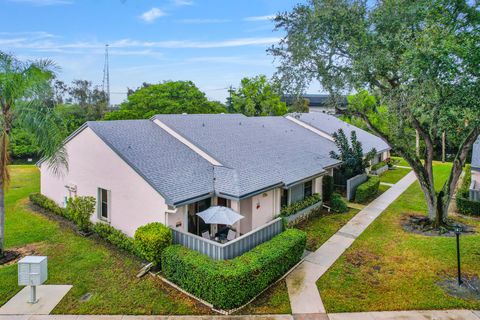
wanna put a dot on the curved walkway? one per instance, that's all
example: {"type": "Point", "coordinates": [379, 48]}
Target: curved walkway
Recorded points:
{"type": "Point", "coordinates": [301, 283]}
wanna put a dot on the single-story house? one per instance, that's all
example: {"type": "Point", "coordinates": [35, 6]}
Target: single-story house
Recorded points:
{"type": "Point", "coordinates": [171, 167]}
{"type": "Point", "coordinates": [475, 184]}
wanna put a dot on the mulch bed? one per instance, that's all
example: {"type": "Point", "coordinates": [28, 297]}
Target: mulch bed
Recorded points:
{"type": "Point", "coordinates": [469, 290]}
{"type": "Point", "coordinates": [13, 255]}
{"type": "Point", "coordinates": [421, 225]}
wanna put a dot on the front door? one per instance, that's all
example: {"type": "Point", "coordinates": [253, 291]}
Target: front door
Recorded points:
{"type": "Point", "coordinates": [196, 225]}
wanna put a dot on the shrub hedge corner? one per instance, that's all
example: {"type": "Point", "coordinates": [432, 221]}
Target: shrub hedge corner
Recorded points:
{"type": "Point", "coordinates": [229, 284]}
{"type": "Point", "coordinates": [48, 204]}
{"type": "Point", "coordinates": [337, 204]}
{"type": "Point", "coordinates": [151, 239]}
{"type": "Point", "coordinates": [367, 190]}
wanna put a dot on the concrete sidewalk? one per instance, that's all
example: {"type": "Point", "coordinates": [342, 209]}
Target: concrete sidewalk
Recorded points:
{"type": "Point", "coordinates": [383, 315]}
{"type": "Point", "coordinates": [301, 283]}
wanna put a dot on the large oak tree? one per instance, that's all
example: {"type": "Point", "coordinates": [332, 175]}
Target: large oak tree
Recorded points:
{"type": "Point", "coordinates": [420, 59]}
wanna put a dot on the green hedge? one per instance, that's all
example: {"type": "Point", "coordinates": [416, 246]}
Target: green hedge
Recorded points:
{"type": "Point", "coordinates": [327, 188]}
{"type": "Point", "coordinates": [467, 206]}
{"type": "Point", "coordinates": [368, 189]}
{"type": "Point", "coordinates": [48, 204]}
{"type": "Point", "coordinates": [337, 204]}
{"type": "Point", "coordinates": [379, 165]}
{"type": "Point", "coordinates": [80, 210]}
{"type": "Point", "coordinates": [114, 236]}
{"type": "Point", "coordinates": [300, 205]}
{"type": "Point", "coordinates": [231, 283]}
{"type": "Point", "coordinates": [151, 239]}
{"type": "Point", "coordinates": [464, 204]}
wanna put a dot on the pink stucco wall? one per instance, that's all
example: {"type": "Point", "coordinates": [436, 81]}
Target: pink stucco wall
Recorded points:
{"type": "Point", "coordinates": [93, 165]}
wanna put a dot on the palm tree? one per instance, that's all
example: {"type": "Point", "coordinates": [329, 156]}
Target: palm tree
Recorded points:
{"type": "Point", "coordinates": [24, 94]}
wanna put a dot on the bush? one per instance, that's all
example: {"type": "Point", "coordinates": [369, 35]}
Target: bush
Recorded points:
{"type": "Point", "coordinates": [48, 204]}
{"type": "Point", "coordinates": [327, 188]}
{"type": "Point", "coordinates": [300, 205]}
{"type": "Point", "coordinates": [80, 209]}
{"type": "Point", "coordinates": [379, 165]}
{"type": "Point", "coordinates": [151, 239]}
{"type": "Point", "coordinates": [467, 206]}
{"type": "Point", "coordinates": [229, 284]}
{"type": "Point", "coordinates": [337, 204]}
{"type": "Point", "coordinates": [367, 190]}
{"type": "Point", "coordinates": [114, 236]}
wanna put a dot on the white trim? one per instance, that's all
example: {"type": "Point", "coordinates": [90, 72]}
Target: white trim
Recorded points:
{"type": "Point", "coordinates": [196, 149]}
{"type": "Point", "coordinates": [309, 127]}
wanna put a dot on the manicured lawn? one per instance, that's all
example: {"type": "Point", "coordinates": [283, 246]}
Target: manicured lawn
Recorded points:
{"type": "Point", "coordinates": [401, 161]}
{"type": "Point", "coordinates": [394, 175]}
{"type": "Point", "coordinates": [320, 228]}
{"type": "Point", "coordinates": [273, 301]}
{"type": "Point", "coordinates": [90, 265]}
{"type": "Point", "coordinates": [387, 268]}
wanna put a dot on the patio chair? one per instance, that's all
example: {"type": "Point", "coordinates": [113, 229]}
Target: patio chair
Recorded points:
{"type": "Point", "coordinates": [231, 235]}
{"type": "Point", "coordinates": [206, 235]}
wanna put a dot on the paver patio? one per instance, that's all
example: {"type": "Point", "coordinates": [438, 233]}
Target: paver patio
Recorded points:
{"type": "Point", "coordinates": [301, 283]}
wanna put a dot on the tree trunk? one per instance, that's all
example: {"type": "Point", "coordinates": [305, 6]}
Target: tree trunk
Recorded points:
{"type": "Point", "coordinates": [2, 218]}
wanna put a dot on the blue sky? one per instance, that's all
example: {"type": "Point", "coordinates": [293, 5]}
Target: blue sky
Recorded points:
{"type": "Point", "coordinates": [211, 42]}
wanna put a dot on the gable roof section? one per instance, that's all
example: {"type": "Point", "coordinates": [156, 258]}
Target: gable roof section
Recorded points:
{"type": "Point", "coordinates": [476, 155]}
{"type": "Point", "coordinates": [169, 166]}
{"type": "Point", "coordinates": [257, 153]}
{"type": "Point", "coordinates": [330, 124]}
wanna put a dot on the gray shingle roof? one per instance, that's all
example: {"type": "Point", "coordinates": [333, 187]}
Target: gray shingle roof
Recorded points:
{"type": "Point", "coordinates": [257, 152]}
{"type": "Point", "coordinates": [166, 164]}
{"type": "Point", "coordinates": [330, 124]}
{"type": "Point", "coordinates": [476, 155]}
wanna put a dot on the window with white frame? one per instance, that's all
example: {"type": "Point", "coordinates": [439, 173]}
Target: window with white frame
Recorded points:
{"type": "Point", "coordinates": [103, 204]}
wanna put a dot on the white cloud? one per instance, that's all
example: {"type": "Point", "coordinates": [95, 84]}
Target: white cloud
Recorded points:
{"type": "Point", "coordinates": [203, 21]}
{"type": "Point", "coordinates": [182, 2]}
{"type": "Point", "coordinates": [152, 15]}
{"type": "Point", "coordinates": [260, 18]}
{"type": "Point", "coordinates": [42, 3]}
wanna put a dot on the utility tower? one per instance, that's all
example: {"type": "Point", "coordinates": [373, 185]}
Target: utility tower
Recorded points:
{"type": "Point", "coordinates": [106, 78]}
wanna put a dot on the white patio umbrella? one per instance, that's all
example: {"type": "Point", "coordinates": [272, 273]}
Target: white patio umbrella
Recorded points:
{"type": "Point", "coordinates": [220, 215]}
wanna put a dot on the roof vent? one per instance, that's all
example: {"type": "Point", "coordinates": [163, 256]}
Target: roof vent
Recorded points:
{"type": "Point", "coordinates": [203, 124]}
{"type": "Point", "coordinates": [240, 123]}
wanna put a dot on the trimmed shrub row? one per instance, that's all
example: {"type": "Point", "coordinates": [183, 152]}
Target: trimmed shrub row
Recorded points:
{"type": "Point", "coordinates": [150, 239]}
{"type": "Point", "coordinates": [379, 165]}
{"type": "Point", "coordinates": [467, 206]}
{"type": "Point", "coordinates": [368, 189]}
{"type": "Point", "coordinates": [300, 205]}
{"type": "Point", "coordinates": [114, 236]}
{"type": "Point", "coordinates": [48, 204]}
{"type": "Point", "coordinates": [231, 283]}
{"type": "Point", "coordinates": [464, 204]}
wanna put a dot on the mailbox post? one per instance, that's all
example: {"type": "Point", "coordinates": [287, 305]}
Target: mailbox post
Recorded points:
{"type": "Point", "coordinates": [32, 271]}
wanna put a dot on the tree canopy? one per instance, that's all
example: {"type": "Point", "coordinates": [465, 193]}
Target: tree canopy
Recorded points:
{"type": "Point", "coordinates": [257, 96]}
{"type": "Point", "coordinates": [166, 97]}
{"type": "Point", "coordinates": [419, 60]}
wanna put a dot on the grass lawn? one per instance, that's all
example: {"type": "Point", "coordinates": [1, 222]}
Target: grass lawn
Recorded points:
{"type": "Point", "coordinates": [321, 227]}
{"type": "Point", "coordinates": [387, 268]}
{"type": "Point", "coordinates": [394, 175]}
{"type": "Point", "coordinates": [90, 266]}
{"type": "Point", "coordinates": [273, 301]}
{"type": "Point", "coordinates": [401, 161]}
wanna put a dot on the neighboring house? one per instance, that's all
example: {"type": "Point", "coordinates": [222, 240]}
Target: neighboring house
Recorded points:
{"type": "Point", "coordinates": [321, 103]}
{"type": "Point", "coordinates": [475, 185]}
{"type": "Point", "coordinates": [171, 167]}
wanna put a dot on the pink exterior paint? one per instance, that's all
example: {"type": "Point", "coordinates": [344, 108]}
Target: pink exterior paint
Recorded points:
{"type": "Point", "coordinates": [93, 165]}
{"type": "Point", "coordinates": [263, 208]}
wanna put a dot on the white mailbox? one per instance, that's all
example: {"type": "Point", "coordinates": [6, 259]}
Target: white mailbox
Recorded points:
{"type": "Point", "coordinates": [32, 271]}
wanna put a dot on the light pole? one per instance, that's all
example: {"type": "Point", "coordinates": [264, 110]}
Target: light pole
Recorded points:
{"type": "Point", "coordinates": [458, 230]}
